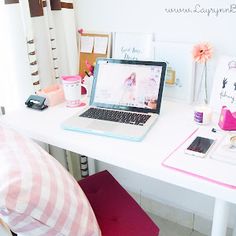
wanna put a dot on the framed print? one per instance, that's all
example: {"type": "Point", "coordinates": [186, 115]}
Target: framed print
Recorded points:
{"type": "Point", "coordinates": [224, 87]}
{"type": "Point", "coordinates": [179, 80]}
{"type": "Point", "coordinates": [133, 46]}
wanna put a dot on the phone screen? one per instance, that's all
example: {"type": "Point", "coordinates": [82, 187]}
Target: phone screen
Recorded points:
{"type": "Point", "coordinates": [200, 145]}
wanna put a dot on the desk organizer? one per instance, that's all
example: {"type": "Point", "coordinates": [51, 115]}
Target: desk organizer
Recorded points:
{"type": "Point", "coordinates": [227, 119]}
{"type": "Point", "coordinates": [54, 94]}
{"type": "Point", "coordinates": [207, 168]}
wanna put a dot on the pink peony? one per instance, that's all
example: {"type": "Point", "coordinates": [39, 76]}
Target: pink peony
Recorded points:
{"type": "Point", "coordinates": [202, 52]}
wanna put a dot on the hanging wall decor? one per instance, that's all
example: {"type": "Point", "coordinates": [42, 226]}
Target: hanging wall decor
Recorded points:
{"type": "Point", "coordinates": [224, 87]}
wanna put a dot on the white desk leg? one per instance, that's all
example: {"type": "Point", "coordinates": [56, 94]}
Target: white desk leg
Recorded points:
{"type": "Point", "coordinates": [220, 218]}
{"type": "Point", "coordinates": [91, 166]}
{"type": "Point", "coordinates": [234, 230]}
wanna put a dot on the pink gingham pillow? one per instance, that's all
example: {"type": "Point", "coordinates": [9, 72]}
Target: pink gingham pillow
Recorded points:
{"type": "Point", "coordinates": [37, 195]}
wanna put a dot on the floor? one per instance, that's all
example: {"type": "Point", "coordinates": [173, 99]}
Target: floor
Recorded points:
{"type": "Point", "coordinates": [168, 228]}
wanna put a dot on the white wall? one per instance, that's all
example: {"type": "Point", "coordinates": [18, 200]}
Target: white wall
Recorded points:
{"type": "Point", "coordinates": [151, 16]}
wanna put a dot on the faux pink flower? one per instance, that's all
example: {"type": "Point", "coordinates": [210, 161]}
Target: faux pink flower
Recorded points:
{"type": "Point", "coordinates": [90, 67]}
{"type": "Point", "coordinates": [80, 31]}
{"type": "Point", "coordinates": [202, 52]}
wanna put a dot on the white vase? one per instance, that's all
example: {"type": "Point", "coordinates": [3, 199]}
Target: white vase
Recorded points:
{"type": "Point", "coordinates": [202, 110]}
{"type": "Point", "coordinates": [201, 89]}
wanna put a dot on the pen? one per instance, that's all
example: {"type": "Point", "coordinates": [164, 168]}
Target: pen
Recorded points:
{"type": "Point", "coordinates": [87, 73]}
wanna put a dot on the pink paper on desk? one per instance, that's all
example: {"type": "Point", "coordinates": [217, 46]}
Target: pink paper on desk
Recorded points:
{"type": "Point", "coordinates": [206, 168]}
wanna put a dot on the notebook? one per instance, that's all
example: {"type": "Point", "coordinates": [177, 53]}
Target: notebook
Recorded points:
{"type": "Point", "coordinates": [125, 99]}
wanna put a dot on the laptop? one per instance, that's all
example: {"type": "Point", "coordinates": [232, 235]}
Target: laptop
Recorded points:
{"type": "Point", "coordinates": [125, 99]}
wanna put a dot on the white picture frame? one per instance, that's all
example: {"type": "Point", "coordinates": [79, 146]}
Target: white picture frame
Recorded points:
{"type": "Point", "coordinates": [133, 46]}
{"type": "Point", "coordinates": [179, 80]}
{"type": "Point", "coordinates": [224, 86]}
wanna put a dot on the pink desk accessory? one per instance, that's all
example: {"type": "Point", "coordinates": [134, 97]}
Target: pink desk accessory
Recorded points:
{"type": "Point", "coordinates": [227, 119]}
{"type": "Point", "coordinates": [72, 86]}
{"type": "Point", "coordinates": [54, 94]}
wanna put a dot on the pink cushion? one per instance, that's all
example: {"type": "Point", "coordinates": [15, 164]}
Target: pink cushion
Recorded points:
{"type": "Point", "coordinates": [116, 211]}
{"type": "Point", "coordinates": [37, 195]}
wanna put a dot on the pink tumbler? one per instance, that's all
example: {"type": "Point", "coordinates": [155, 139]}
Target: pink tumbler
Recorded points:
{"type": "Point", "coordinates": [72, 90]}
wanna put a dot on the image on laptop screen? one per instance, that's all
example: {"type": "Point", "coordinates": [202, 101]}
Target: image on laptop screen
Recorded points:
{"type": "Point", "coordinates": [128, 84]}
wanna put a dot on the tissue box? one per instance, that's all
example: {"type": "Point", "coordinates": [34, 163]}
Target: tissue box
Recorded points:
{"type": "Point", "coordinates": [54, 94]}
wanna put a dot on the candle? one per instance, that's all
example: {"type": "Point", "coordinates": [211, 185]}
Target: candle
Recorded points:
{"type": "Point", "coordinates": [202, 114]}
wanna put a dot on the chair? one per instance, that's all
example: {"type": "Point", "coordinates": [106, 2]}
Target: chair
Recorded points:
{"type": "Point", "coordinates": [99, 202]}
{"type": "Point", "coordinates": [116, 211]}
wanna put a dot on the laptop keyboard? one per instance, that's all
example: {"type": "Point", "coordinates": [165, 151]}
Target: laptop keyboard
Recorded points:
{"type": "Point", "coordinates": [116, 116]}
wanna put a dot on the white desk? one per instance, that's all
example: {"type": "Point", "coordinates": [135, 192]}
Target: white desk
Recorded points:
{"type": "Point", "coordinates": [173, 125]}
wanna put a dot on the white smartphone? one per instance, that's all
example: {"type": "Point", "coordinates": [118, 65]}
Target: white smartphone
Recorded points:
{"type": "Point", "coordinates": [199, 146]}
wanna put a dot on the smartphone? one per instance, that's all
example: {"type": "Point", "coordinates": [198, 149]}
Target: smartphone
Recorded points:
{"type": "Point", "coordinates": [199, 146]}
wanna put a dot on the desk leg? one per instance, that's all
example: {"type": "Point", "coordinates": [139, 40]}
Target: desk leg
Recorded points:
{"type": "Point", "coordinates": [234, 230]}
{"type": "Point", "coordinates": [220, 218]}
{"type": "Point", "coordinates": [91, 166]}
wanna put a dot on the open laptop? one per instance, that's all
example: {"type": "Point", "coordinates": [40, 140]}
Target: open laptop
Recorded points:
{"type": "Point", "coordinates": [125, 99]}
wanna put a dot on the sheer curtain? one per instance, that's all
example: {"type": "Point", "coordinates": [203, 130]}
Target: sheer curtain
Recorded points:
{"type": "Point", "coordinates": [39, 44]}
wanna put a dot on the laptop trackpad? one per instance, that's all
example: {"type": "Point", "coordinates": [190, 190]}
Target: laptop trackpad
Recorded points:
{"type": "Point", "coordinates": [102, 126]}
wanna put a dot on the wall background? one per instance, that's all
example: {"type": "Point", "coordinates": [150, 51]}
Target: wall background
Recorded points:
{"type": "Point", "coordinates": [154, 16]}
{"type": "Point", "coordinates": [206, 24]}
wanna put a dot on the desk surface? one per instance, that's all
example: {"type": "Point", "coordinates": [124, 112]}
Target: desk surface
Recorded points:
{"type": "Point", "coordinates": [174, 124]}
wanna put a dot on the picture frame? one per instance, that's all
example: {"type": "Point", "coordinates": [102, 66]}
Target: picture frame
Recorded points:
{"type": "Point", "coordinates": [179, 80]}
{"type": "Point", "coordinates": [133, 46]}
{"type": "Point", "coordinates": [224, 86]}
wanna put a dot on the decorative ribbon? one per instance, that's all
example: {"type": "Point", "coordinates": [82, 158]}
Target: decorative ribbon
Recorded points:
{"type": "Point", "coordinates": [11, 1]}
{"type": "Point", "coordinates": [26, 19]}
{"type": "Point", "coordinates": [53, 41]}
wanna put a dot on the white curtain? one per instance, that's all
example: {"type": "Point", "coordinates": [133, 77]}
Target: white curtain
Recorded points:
{"type": "Point", "coordinates": [14, 82]}
{"type": "Point", "coordinates": [40, 45]}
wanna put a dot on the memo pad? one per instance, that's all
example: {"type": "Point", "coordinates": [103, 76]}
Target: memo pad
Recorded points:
{"type": "Point", "coordinates": [125, 100]}
{"type": "Point", "coordinates": [206, 168]}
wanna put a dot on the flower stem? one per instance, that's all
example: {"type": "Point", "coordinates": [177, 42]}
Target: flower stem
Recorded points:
{"type": "Point", "coordinates": [203, 80]}
{"type": "Point", "coordinates": [206, 94]}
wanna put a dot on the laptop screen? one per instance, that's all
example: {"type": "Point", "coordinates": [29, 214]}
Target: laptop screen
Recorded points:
{"type": "Point", "coordinates": [129, 85]}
